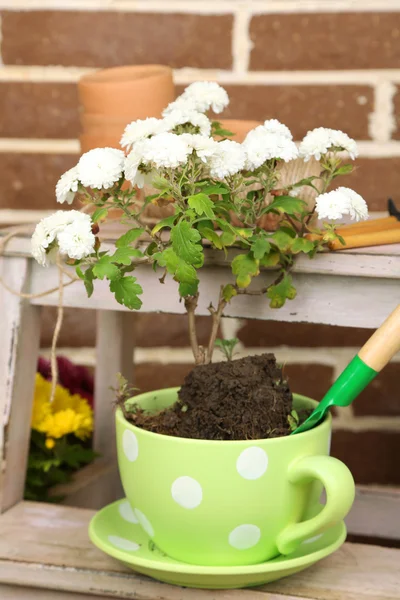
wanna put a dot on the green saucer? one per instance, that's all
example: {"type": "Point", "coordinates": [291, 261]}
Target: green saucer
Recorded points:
{"type": "Point", "coordinates": [116, 531]}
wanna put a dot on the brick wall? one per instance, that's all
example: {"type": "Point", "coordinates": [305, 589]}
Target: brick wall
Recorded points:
{"type": "Point", "coordinates": [307, 62]}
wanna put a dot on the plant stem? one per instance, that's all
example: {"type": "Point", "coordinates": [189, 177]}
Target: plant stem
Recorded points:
{"type": "Point", "coordinates": [198, 351]}
{"type": "Point", "coordinates": [216, 320]}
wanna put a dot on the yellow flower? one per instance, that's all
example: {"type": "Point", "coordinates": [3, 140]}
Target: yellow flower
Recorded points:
{"type": "Point", "coordinates": [66, 414]}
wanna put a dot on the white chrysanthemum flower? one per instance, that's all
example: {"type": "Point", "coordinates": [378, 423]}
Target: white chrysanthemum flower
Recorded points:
{"type": "Point", "coordinates": [181, 103]}
{"type": "Point", "coordinates": [188, 117]}
{"type": "Point", "coordinates": [76, 240]}
{"type": "Point", "coordinates": [132, 163]}
{"type": "Point", "coordinates": [358, 208]}
{"type": "Point", "coordinates": [342, 140]}
{"type": "Point", "coordinates": [228, 159]}
{"type": "Point", "coordinates": [67, 186]}
{"type": "Point", "coordinates": [204, 146]}
{"type": "Point", "coordinates": [206, 95]}
{"type": "Point", "coordinates": [100, 168]}
{"type": "Point", "coordinates": [275, 126]}
{"type": "Point", "coordinates": [141, 130]}
{"type": "Point", "coordinates": [321, 140]}
{"type": "Point", "coordinates": [165, 150]}
{"type": "Point", "coordinates": [332, 205]}
{"type": "Point", "coordinates": [261, 145]}
{"type": "Point", "coordinates": [44, 245]}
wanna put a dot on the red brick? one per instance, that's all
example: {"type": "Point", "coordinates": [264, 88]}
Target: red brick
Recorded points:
{"type": "Point", "coordinates": [396, 101]}
{"type": "Point", "coordinates": [38, 110]}
{"type": "Point", "coordinates": [273, 333]}
{"type": "Point", "coordinates": [153, 376]}
{"type": "Point", "coordinates": [28, 180]}
{"type": "Point", "coordinates": [303, 107]}
{"type": "Point", "coordinates": [372, 456]}
{"type": "Point", "coordinates": [376, 179]}
{"type": "Point", "coordinates": [325, 41]}
{"type": "Point", "coordinates": [382, 396]}
{"type": "Point", "coordinates": [308, 379]}
{"type": "Point", "coordinates": [149, 330]}
{"type": "Point", "coordinates": [105, 39]}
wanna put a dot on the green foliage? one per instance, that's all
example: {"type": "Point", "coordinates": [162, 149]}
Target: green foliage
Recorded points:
{"type": "Point", "coordinates": [185, 243]}
{"type": "Point", "coordinates": [99, 215]}
{"type": "Point", "coordinates": [226, 347]}
{"type": "Point", "coordinates": [202, 205]}
{"type": "Point", "coordinates": [49, 467]}
{"type": "Point", "coordinates": [293, 420]}
{"type": "Point", "coordinates": [127, 291]}
{"type": "Point", "coordinates": [245, 267]}
{"type": "Point", "coordinates": [184, 273]}
{"type": "Point", "coordinates": [282, 291]}
{"type": "Point", "coordinates": [130, 236]}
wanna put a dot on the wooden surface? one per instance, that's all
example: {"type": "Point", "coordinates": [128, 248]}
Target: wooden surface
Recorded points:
{"type": "Point", "coordinates": [12, 592]}
{"type": "Point", "coordinates": [19, 348]}
{"type": "Point", "coordinates": [383, 344]}
{"type": "Point", "coordinates": [47, 546]}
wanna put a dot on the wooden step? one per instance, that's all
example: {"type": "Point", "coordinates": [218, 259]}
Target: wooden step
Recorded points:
{"type": "Point", "coordinates": [46, 546]}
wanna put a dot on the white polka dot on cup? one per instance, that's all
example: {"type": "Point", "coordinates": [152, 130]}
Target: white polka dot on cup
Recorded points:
{"type": "Point", "coordinates": [130, 445]}
{"type": "Point", "coordinates": [187, 492]}
{"type": "Point", "coordinates": [244, 537]}
{"type": "Point", "coordinates": [252, 463]}
{"type": "Point", "coordinates": [127, 513]}
{"type": "Point", "coordinates": [123, 544]}
{"type": "Point", "coordinates": [145, 523]}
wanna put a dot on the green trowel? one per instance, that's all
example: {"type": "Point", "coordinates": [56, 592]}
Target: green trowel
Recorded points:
{"type": "Point", "coordinates": [371, 359]}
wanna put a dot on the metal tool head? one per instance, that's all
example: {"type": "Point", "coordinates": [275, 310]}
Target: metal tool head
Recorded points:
{"type": "Point", "coordinates": [393, 210]}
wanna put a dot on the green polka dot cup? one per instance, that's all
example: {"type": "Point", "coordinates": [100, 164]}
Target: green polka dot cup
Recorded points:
{"type": "Point", "coordinates": [230, 503]}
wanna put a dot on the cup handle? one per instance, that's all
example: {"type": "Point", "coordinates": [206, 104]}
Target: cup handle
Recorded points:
{"type": "Point", "coordinates": [340, 491]}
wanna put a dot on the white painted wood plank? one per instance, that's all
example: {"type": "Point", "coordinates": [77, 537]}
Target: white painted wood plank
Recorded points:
{"type": "Point", "coordinates": [114, 352]}
{"type": "Point", "coordinates": [375, 513]}
{"type": "Point", "coordinates": [339, 300]}
{"type": "Point", "coordinates": [16, 592]}
{"type": "Point", "coordinates": [20, 328]}
{"type": "Point", "coordinates": [47, 546]}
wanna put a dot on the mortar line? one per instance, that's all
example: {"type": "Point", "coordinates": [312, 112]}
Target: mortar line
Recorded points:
{"type": "Point", "coordinates": [241, 43]}
{"type": "Point", "coordinates": [207, 6]}
{"type": "Point", "coordinates": [382, 122]}
{"type": "Point", "coordinates": [71, 74]}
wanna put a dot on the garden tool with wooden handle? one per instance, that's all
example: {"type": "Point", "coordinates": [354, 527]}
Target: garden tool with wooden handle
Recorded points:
{"type": "Point", "coordinates": [370, 360]}
{"type": "Point", "coordinates": [375, 232]}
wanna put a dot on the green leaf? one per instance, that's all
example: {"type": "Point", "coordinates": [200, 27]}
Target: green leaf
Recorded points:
{"type": "Point", "coordinates": [88, 277]}
{"type": "Point", "coordinates": [218, 130]}
{"type": "Point", "coordinates": [105, 268]}
{"type": "Point", "coordinates": [260, 247]}
{"type": "Point", "coordinates": [344, 170]}
{"type": "Point", "coordinates": [282, 240]}
{"type": "Point", "coordinates": [188, 289]}
{"type": "Point", "coordinates": [184, 242]}
{"type": "Point", "coordinates": [123, 256]}
{"type": "Point", "coordinates": [216, 189]}
{"type": "Point", "coordinates": [306, 181]}
{"type": "Point", "coordinates": [167, 222]}
{"type": "Point", "coordinates": [160, 183]}
{"type": "Point", "coordinates": [286, 204]}
{"type": "Point", "coordinates": [129, 237]}
{"type": "Point", "coordinates": [127, 292]}
{"type": "Point", "coordinates": [212, 236]}
{"type": "Point", "coordinates": [270, 260]}
{"type": "Point", "coordinates": [99, 215]}
{"type": "Point", "coordinates": [229, 292]}
{"type": "Point", "coordinates": [228, 236]}
{"type": "Point", "coordinates": [280, 292]}
{"type": "Point", "coordinates": [302, 245]}
{"type": "Point", "coordinates": [245, 266]}
{"type": "Point", "coordinates": [202, 205]}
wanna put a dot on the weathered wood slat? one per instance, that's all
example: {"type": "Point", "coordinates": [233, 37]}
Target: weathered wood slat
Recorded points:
{"type": "Point", "coordinates": [19, 348]}
{"type": "Point", "coordinates": [48, 546]}
{"type": "Point", "coordinates": [376, 512]}
{"type": "Point", "coordinates": [14, 592]}
{"type": "Point", "coordinates": [320, 298]}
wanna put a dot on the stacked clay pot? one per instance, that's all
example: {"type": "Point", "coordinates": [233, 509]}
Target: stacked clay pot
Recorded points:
{"type": "Point", "coordinates": [112, 98]}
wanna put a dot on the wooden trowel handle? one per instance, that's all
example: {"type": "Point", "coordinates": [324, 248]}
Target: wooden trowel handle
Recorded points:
{"type": "Point", "coordinates": [383, 344]}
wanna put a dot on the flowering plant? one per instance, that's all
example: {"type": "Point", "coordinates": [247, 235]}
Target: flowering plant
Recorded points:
{"type": "Point", "coordinates": [220, 190]}
{"type": "Point", "coordinates": [60, 438]}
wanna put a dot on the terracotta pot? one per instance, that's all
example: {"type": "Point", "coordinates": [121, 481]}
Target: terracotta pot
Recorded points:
{"type": "Point", "coordinates": [88, 141]}
{"type": "Point", "coordinates": [134, 92]}
{"type": "Point", "coordinates": [103, 124]}
{"type": "Point", "coordinates": [238, 127]}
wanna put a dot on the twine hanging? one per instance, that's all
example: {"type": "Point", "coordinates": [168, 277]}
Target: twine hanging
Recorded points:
{"type": "Point", "coordinates": [13, 232]}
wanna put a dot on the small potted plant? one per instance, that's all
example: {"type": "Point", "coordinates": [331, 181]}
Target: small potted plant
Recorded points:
{"type": "Point", "coordinates": [211, 471]}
